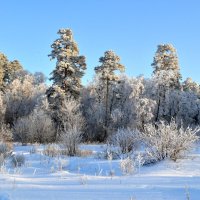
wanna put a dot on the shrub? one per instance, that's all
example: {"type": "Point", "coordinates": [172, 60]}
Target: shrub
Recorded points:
{"type": "Point", "coordinates": [3, 149]}
{"type": "Point", "coordinates": [110, 153]}
{"type": "Point", "coordinates": [70, 140]}
{"type": "Point", "coordinates": [125, 140]}
{"type": "Point", "coordinates": [127, 166]}
{"type": "Point", "coordinates": [21, 97]}
{"type": "Point", "coordinates": [37, 127]}
{"type": "Point", "coordinates": [33, 150]}
{"type": "Point", "coordinates": [168, 140]}
{"type": "Point", "coordinates": [41, 128]}
{"type": "Point", "coordinates": [5, 133]}
{"type": "Point", "coordinates": [17, 160]}
{"type": "Point", "coordinates": [2, 160]}
{"type": "Point", "coordinates": [85, 153]}
{"type": "Point", "coordinates": [21, 128]}
{"type": "Point", "coordinates": [3, 152]}
{"type": "Point", "coordinates": [52, 150]}
{"type": "Point", "coordinates": [69, 125]}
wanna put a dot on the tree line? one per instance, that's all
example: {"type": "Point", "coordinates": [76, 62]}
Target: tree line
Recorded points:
{"type": "Point", "coordinates": [32, 111]}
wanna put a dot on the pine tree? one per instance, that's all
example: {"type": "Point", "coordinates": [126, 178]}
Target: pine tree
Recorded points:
{"type": "Point", "coordinates": [3, 64]}
{"type": "Point", "coordinates": [7, 70]}
{"type": "Point", "coordinates": [66, 77]}
{"type": "Point", "coordinates": [166, 75]}
{"type": "Point", "coordinates": [191, 86]}
{"type": "Point", "coordinates": [69, 66]}
{"type": "Point", "coordinates": [110, 62]}
{"type": "Point", "coordinates": [166, 66]}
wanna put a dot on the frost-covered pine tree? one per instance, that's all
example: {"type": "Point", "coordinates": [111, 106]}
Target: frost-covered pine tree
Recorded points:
{"type": "Point", "coordinates": [166, 75]}
{"type": "Point", "coordinates": [66, 77]}
{"type": "Point", "coordinates": [69, 66]}
{"type": "Point", "coordinates": [110, 62]}
{"type": "Point", "coordinates": [3, 64]}
{"type": "Point", "coordinates": [7, 70]}
{"type": "Point", "coordinates": [166, 66]}
{"type": "Point", "coordinates": [190, 86]}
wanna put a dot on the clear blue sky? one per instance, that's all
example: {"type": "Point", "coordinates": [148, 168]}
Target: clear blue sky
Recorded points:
{"type": "Point", "coordinates": [132, 28]}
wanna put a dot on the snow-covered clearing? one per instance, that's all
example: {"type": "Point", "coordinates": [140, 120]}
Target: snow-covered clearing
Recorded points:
{"type": "Point", "coordinates": [89, 178]}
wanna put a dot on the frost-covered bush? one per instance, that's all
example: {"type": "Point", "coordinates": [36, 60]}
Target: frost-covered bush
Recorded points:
{"type": "Point", "coordinates": [37, 127]}
{"type": "Point", "coordinates": [21, 98]}
{"type": "Point", "coordinates": [71, 126]}
{"type": "Point", "coordinates": [52, 150]}
{"type": "Point", "coordinates": [127, 166]}
{"type": "Point", "coordinates": [41, 127]}
{"type": "Point", "coordinates": [17, 160]}
{"type": "Point", "coordinates": [125, 140]}
{"type": "Point", "coordinates": [2, 160]}
{"type": "Point", "coordinates": [71, 138]}
{"type": "Point", "coordinates": [5, 133]}
{"type": "Point", "coordinates": [21, 129]}
{"type": "Point", "coordinates": [33, 150]}
{"type": "Point", "coordinates": [5, 150]}
{"type": "Point", "coordinates": [85, 153]}
{"type": "Point", "coordinates": [109, 153]}
{"type": "Point", "coordinates": [168, 140]}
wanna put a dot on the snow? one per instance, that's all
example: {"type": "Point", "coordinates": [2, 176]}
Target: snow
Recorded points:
{"type": "Point", "coordinates": [89, 178]}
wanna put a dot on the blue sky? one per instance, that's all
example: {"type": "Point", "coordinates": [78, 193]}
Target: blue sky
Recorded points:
{"type": "Point", "coordinates": [132, 28]}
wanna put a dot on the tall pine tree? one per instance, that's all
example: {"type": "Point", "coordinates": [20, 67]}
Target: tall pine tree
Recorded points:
{"type": "Point", "coordinates": [110, 62]}
{"type": "Point", "coordinates": [66, 76]}
{"type": "Point", "coordinates": [166, 66]}
{"type": "Point", "coordinates": [167, 77]}
{"type": "Point", "coordinates": [69, 66]}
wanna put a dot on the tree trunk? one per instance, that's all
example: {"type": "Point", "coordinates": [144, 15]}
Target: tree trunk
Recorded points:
{"type": "Point", "coordinates": [158, 110]}
{"type": "Point", "coordinates": [106, 114]}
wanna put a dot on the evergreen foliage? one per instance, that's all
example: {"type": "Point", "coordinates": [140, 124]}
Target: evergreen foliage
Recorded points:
{"type": "Point", "coordinates": [69, 65]}
{"type": "Point", "coordinates": [110, 62]}
{"type": "Point", "coordinates": [7, 70]}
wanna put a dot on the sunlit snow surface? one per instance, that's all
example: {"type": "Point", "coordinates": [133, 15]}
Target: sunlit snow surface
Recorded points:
{"type": "Point", "coordinates": [88, 178]}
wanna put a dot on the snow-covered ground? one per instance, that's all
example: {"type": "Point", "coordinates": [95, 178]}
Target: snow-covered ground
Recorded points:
{"type": "Point", "coordinates": [89, 178]}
